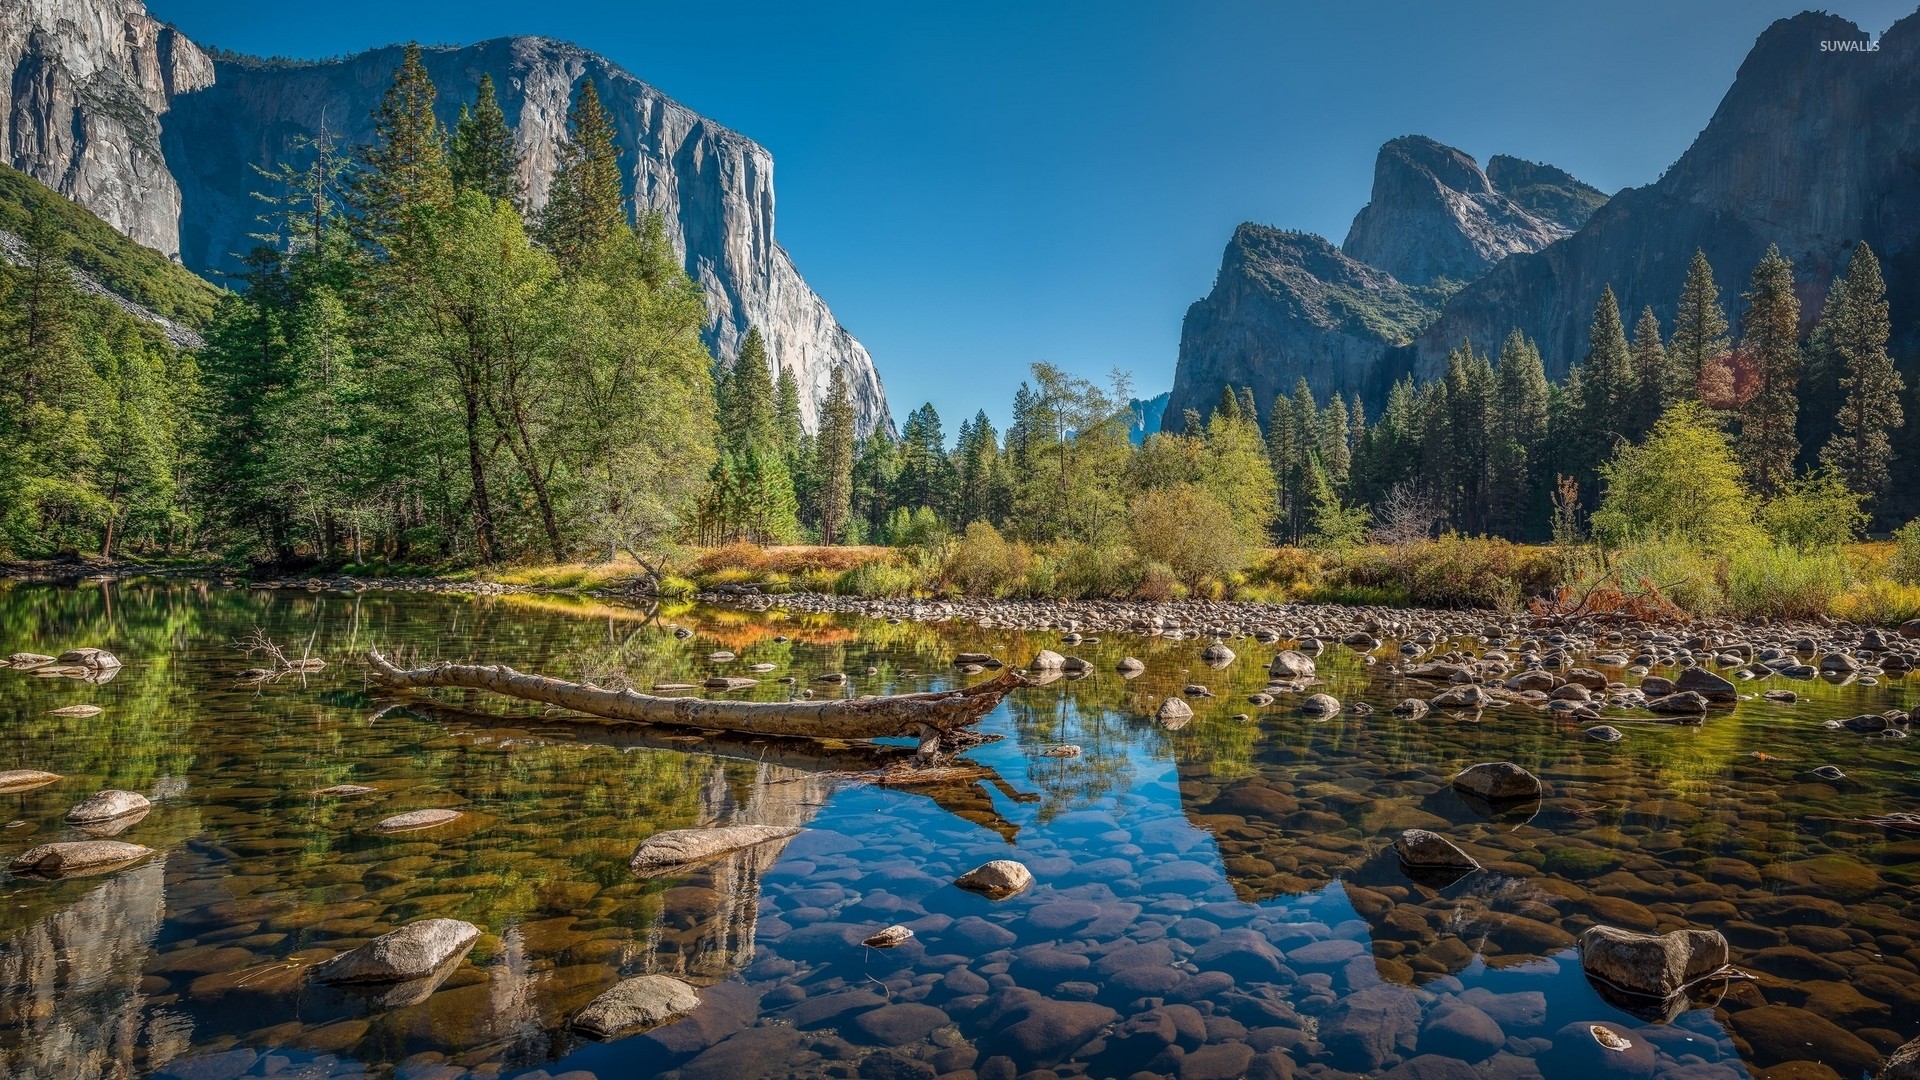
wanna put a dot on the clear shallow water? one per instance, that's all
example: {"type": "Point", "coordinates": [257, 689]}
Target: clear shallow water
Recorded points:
{"type": "Point", "coordinates": [1214, 901]}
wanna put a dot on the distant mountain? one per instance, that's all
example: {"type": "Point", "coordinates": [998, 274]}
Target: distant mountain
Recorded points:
{"type": "Point", "coordinates": [1146, 416]}
{"type": "Point", "coordinates": [1812, 150]}
{"type": "Point", "coordinates": [137, 123]}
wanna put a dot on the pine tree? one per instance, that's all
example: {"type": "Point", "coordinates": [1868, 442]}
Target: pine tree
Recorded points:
{"type": "Point", "coordinates": [926, 474]}
{"type": "Point", "coordinates": [1249, 409]}
{"type": "Point", "coordinates": [1519, 433]}
{"type": "Point", "coordinates": [403, 171]}
{"type": "Point", "coordinates": [1229, 405]}
{"type": "Point", "coordinates": [835, 455]}
{"type": "Point", "coordinates": [1699, 331]}
{"type": "Point", "coordinates": [874, 473]}
{"type": "Point", "coordinates": [586, 209]}
{"type": "Point", "coordinates": [788, 430]}
{"type": "Point", "coordinates": [1770, 343]}
{"type": "Point", "coordinates": [483, 157]}
{"type": "Point", "coordinates": [1651, 377]}
{"type": "Point", "coordinates": [1336, 453]}
{"type": "Point", "coordinates": [748, 411]}
{"type": "Point", "coordinates": [1468, 421]}
{"type": "Point", "coordinates": [1857, 332]}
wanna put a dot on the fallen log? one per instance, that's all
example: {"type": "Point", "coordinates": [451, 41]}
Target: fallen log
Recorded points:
{"type": "Point", "coordinates": [933, 718]}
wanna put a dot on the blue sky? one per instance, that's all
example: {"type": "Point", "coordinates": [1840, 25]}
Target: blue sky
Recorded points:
{"type": "Point", "coordinates": [974, 187]}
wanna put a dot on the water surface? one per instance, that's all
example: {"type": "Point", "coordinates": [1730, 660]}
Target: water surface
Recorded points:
{"type": "Point", "coordinates": [1215, 901]}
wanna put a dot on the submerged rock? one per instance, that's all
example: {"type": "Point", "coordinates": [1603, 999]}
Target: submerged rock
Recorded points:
{"type": "Point", "coordinates": [1705, 683]}
{"type": "Point", "coordinates": [1412, 708]}
{"type": "Point", "coordinates": [1217, 653]}
{"type": "Point", "coordinates": [1426, 850]}
{"type": "Point", "coordinates": [1130, 667]}
{"type": "Point", "coordinates": [1651, 965]}
{"type": "Point", "coordinates": [345, 790]}
{"type": "Point", "coordinates": [1498, 781]}
{"type": "Point", "coordinates": [1604, 733]}
{"type": "Point", "coordinates": [416, 819]}
{"type": "Point", "coordinates": [1680, 703]}
{"type": "Point", "coordinates": [1464, 696]}
{"type": "Point", "coordinates": [22, 779]}
{"type": "Point", "coordinates": [92, 659]}
{"type": "Point", "coordinates": [28, 659]}
{"type": "Point", "coordinates": [76, 710]}
{"type": "Point", "coordinates": [1062, 750]}
{"type": "Point", "coordinates": [665, 851]}
{"type": "Point", "coordinates": [414, 951]}
{"type": "Point", "coordinates": [1291, 665]}
{"type": "Point", "coordinates": [890, 937]}
{"type": "Point", "coordinates": [1320, 705]}
{"type": "Point", "coordinates": [635, 1005]}
{"type": "Point", "coordinates": [1174, 712]}
{"type": "Point", "coordinates": [78, 857]}
{"type": "Point", "coordinates": [996, 880]}
{"type": "Point", "coordinates": [1048, 660]}
{"type": "Point", "coordinates": [107, 805]}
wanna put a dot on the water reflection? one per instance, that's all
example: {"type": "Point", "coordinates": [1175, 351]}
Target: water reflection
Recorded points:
{"type": "Point", "coordinates": [1218, 900]}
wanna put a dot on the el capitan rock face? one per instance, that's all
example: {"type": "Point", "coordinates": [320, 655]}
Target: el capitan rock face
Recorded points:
{"type": "Point", "coordinates": [86, 84]}
{"type": "Point", "coordinates": [137, 124]}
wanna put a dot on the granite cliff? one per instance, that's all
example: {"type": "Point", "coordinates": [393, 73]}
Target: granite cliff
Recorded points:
{"type": "Point", "coordinates": [136, 123]}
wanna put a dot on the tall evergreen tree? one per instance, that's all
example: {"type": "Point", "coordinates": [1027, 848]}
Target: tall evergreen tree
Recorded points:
{"type": "Point", "coordinates": [1857, 328]}
{"type": "Point", "coordinates": [1699, 331]}
{"type": "Point", "coordinates": [1520, 421]}
{"type": "Point", "coordinates": [586, 208]}
{"type": "Point", "coordinates": [748, 411]}
{"type": "Point", "coordinates": [1770, 344]}
{"type": "Point", "coordinates": [1336, 453]}
{"type": "Point", "coordinates": [926, 473]}
{"type": "Point", "coordinates": [403, 172]}
{"type": "Point", "coordinates": [1652, 378]}
{"type": "Point", "coordinates": [1468, 421]}
{"type": "Point", "coordinates": [835, 454]}
{"type": "Point", "coordinates": [787, 427]}
{"type": "Point", "coordinates": [483, 157]}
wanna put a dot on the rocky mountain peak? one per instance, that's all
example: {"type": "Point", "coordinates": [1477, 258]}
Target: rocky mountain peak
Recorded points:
{"type": "Point", "coordinates": [1553, 195]}
{"type": "Point", "coordinates": [1435, 216]}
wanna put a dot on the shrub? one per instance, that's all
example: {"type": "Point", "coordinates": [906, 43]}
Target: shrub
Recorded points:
{"type": "Point", "coordinates": [1682, 482]}
{"type": "Point", "coordinates": [1188, 530]}
{"type": "Point", "coordinates": [1453, 571]}
{"type": "Point", "coordinates": [1159, 582]}
{"type": "Point", "coordinates": [1094, 571]}
{"type": "Point", "coordinates": [876, 579]}
{"type": "Point", "coordinates": [1780, 582]}
{"type": "Point", "coordinates": [1815, 511]}
{"type": "Point", "coordinates": [984, 563]}
{"type": "Point", "coordinates": [1290, 570]}
{"type": "Point", "coordinates": [1653, 575]}
{"type": "Point", "coordinates": [1878, 602]}
{"type": "Point", "coordinates": [1904, 566]}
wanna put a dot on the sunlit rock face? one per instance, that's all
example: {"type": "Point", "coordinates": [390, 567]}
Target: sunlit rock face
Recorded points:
{"type": "Point", "coordinates": [136, 123]}
{"type": "Point", "coordinates": [87, 82]}
{"type": "Point", "coordinates": [70, 984]}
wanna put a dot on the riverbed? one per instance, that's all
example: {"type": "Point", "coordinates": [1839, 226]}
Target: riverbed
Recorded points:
{"type": "Point", "coordinates": [1213, 899]}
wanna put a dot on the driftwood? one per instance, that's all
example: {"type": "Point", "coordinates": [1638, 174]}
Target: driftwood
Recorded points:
{"type": "Point", "coordinates": [936, 718]}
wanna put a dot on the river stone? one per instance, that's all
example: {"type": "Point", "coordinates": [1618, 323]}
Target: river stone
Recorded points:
{"type": "Point", "coordinates": [996, 880]}
{"type": "Point", "coordinates": [77, 857]}
{"type": "Point", "coordinates": [1613, 1054]}
{"type": "Point", "coordinates": [1130, 666]}
{"type": "Point", "coordinates": [414, 951]}
{"type": "Point", "coordinates": [1425, 850]}
{"type": "Point", "coordinates": [416, 819]}
{"type": "Point", "coordinates": [1708, 685]}
{"type": "Point", "coordinates": [1048, 660]}
{"type": "Point", "coordinates": [1320, 705]}
{"type": "Point", "coordinates": [1903, 1064]}
{"type": "Point", "coordinates": [1217, 653]}
{"type": "Point", "coordinates": [1680, 703]}
{"type": "Point", "coordinates": [107, 805]}
{"type": "Point", "coordinates": [729, 683]}
{"type": "Point", "coordinates": [1498, 781]}
{"type": "Point", "coordinates": [679, 847]}
{"type": "Point", "coordinates": [22, 779]}
{"type": "Point", "coordinates": [1829, 772]}
{"type": "Point", "coordinates": [1174, 712]}
{"type": "Point", "coordinates": [635, 1005]}
{"type": "Point", "coordinates": [1412, 708]}
{"type": "Point", "coordinates": [1291, 665]}
{"type": "Point", "coordinates": [1604, 733]}
{"type": "Point", "coordinates": [76, 710]}
{"type": "Point", "coordinates": [96, 659]}
{"type": "Point", "coordinates": [1651, 965]}
{"type": "Point", "coordinates": [345, 790]}
{"type": "Point", "coordinates": [29, 659]}
{"type": "Point", "coordinates": [890, 937]}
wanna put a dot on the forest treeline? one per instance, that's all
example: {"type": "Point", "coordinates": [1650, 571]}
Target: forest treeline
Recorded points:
{"type": "Point", "coordinates": [420, 368]}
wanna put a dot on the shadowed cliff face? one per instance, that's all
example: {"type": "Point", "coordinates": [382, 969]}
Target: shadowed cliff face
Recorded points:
{"type": "Point", "coordinates": [86, 82]}
{"type": "Point", "coordinates": [134, 122]}
{"type": "Point", "coordinates": [1811, 150]}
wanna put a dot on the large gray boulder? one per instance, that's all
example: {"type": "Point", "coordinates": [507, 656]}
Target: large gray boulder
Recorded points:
{"type": "Point", "coordinates": [1291, 665]}
{"type": "Point", "coordinates": [1497, 781]}
{"type": "Point", "coordinates": [414, 951]}
{"type": "Point", "coordinates": [636, 1005]}
{"type": "Point", "coordinates": [1422, 849]}
{"type": "Point", "coordinates": [75, 857]}
{"type": "Point", "coordinates": [996, 880]}
{"type": "Point", "coordinates": [106, 805]}
{"type": "Point", "coordinates": [22, 779]}
{"type": "Point", "coordinates": [1651, 965]}
{"type": "Point", "coordinates": [667, 851]}
{"type": "Point", "coordinates": [1903, 1064]}
{"type": "Point", "coordinates": [1707, 684]}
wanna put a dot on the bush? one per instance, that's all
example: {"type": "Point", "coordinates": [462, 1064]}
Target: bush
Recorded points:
{"type": "Point", "coordinates": [877, 579]}
{"type": "Point", "coordinates": [1188, 530]}
{"type": "Point", "coordinates": [1159, 582]}
{"type": "Point", "coordinates": [1878, 602]}
{"type": "Point", "coordinates": [1290, 570]}
{"type": "Point", "coordinates": [1451, 572]}
{"type": "Point", "coordinates": [984, 563]}
{"type": "Point", "coordinates": [1904, 567]}
{"type": "Point", "coordinates": [1780, 582]}
{"type": "Point", "coordinates": [1653, 574]}
{"type": "Point", "coordinates": [1094, 571]}
{"type": "Point", "coordinates": [1682, 482]}
{"type": "Point", "coordinates": [1815, 511]}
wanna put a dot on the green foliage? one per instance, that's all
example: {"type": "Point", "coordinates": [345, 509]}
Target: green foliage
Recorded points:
{"type": "Point", "coordinates": [586, 205]}
{"type": "Point", "coordinates": [834, 457]}
{"type": "Point", "coordinates": [1336, 526]}
{"type": "Point", "coordinates": [1905, 564]}
{"type": "Point", "coordinates": [1784, 582]}
{"type": "Point", "coordinates": [984, 563]}
{"type": "Point", "coordinates": [482, 156]}
{"type": "Point", "coordinates": [1814, 512]}
{"type": "Point", "coordinates": [1681, 484]}
{"type": "Point", "coordinates": [1663, 571]}
{"type": "Point", "coordinates": [1770, 343]}
{"type": "Point", "coordinates": [877, 579]}
{"type": "Point", "coordinates": [124, 266]}
{"type": "Point", "coordinates": [1092, 571]}
{"type": "Point", "coordinates": [1189, 531]}
{"type": "Point", "coordinates": [1699, 332]}
{"type": "Point", "coordinates": [1855, 327]}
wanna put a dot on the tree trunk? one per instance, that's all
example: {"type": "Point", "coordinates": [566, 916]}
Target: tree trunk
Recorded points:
{"type": "Point", "coordinates": [482, 506]}
{"type": "Point", "coordinates": [928, 716]}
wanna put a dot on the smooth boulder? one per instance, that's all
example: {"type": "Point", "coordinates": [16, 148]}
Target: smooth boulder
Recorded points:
{"type": "Point", "coordinates": [1174, 712]}
{"type": "Point", "coordinates": [96, 659]}
{"type": "Point", "coordinates": [1320, 705]}
{"type": "Point", "coordinates": [635, 1005]}
{"type": "Point", "coordinates": [1423, 849]}
{"type": "Point", "coordinates": [1713, 687]}
{"type": "Point", "coordinates": [1651, 965]}
{"type": "Point", "coordinates": [416, 819]}
{"type": "Point", "coordinates": [1291, 665]}
{"type": "Point", "coordinates": [666, 851]}
{"type": "Point", "coordinates": [22, 779]}
{"type": "Point", "coordinates": [1497, 781]}
{"type": "Point", "coordinates": [78, 857]}
{"type": "Point", "coordinates": [107, 805]}
{"type": "Point", "coordinates": [414, 951]}
{"type": "Point", "coordinates": [996, 880]}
